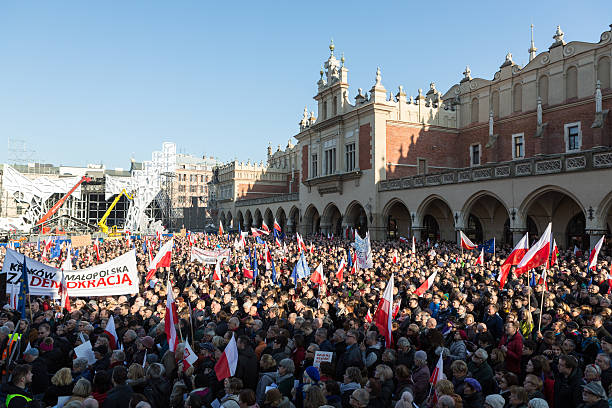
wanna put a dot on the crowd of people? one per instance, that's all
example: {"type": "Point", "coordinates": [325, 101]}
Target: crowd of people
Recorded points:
{"type": "Point", "coordinates": [535, 343]}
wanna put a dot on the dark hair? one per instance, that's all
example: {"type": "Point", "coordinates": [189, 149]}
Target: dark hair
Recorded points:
{"type": "Point", "coordinates": [332, 387]}
{"type": "Point", "coordinates": [101, 382]}
{"type": "Point", "coordinates": [570, 361]}
{"type": "Point", "coordinates": [376, 386]}
{"type": "Point", "coordinates": [21, 371]}
{"type": "Point", "coordinates": [282, 340]}
{"type": "Point", "coordinates": [195, 400]}
{"type": "Point", "coordinates": [136, 398]}
{"type": "Point", "coordinates": [248, 397]}
{"type": "Point", "coordinates": [119, 375]}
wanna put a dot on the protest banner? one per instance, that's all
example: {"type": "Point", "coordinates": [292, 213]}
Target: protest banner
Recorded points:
{"type": "Point", "coordinates": [207, 256]}
{"type": "Point", "coordinates": [322, 357]}
{"type": "Point", "coordinates": [116, 277]}
{"type": "Point", "coordinates": [79, 241]}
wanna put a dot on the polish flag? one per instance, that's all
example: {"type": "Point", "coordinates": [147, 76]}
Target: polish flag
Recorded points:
{"type": "Point", "coordinates": [226, 366]}
{"type": "Point", "coordinates": [395, 257]}
{"type": "Point", "coordinates": [340, 273]}
{"type": "Point", "coordinates": [403, 240]}
{"type": "Point", "coordinates": [513, 259]}
{"type": "Point", "coordinates": [317, 276]}
{"type": "Point", "coordinates": [63, 292]}
{"type": "Point", "coordinates": [158, 235]}
{"type": "Point", "coordinates": [368, 317]}
{"type": "Point", "coordinates": [171, 319]}
{"type": "Point", "coordinates": [413, 245]}
{"type": "Point", "coordinates": [480, 259]}
{"type": "Point", "coordinates": [426, 285]}
{"type": "Point", "coordinates": [97, 249]}
{"type": "Point", "coordinates": [383, 316]}
{"type": "Point", "coordinates": [248, 273]}
{"type": "Point", "coordinates": [268, 258]}
{"type": "Point", "coordinates": [111, 332]}
{"type": "Point", "coordinates": [577, 251]}
{"type": "Point", "coordinates": [354, 267]}
{"type": "Point", "coordinates": [264, 227]}
{"type": "Point", "coordinates": [465, 242]}
{"type": "Point", "coordinates": [396, 308]}
{"type": "Point", "coordinates": [189, 357]}
{"type": "Point", "coordinates": [217, 271]}
{"type": "Point", "coordinates": [277, 225]}
{"type": "Point", "coordinates": [220, 228]}
{"type": "Point", "coordinates": [258, 232]}
{"type": "Point", "coordinates": [206, 240]}
{"type": "Point", "coordinates": [438, 374]}
{"type": "Point", "coordinates": [555, 254]}
{"type": "Point", "coordinates": [543, 280]}
{"type": "Point", "coordinates": [162, 259]}
{"type": "Point", "coordinates": [595, 253]}
{"type": "Point", "coordinates": [300, 242]}
{"type": "Point", "coordinates": [538, 254]}
{"type": "Point", "coordinates": [311, 248]}
{"type": "Point", "coordinates": [278, 243]}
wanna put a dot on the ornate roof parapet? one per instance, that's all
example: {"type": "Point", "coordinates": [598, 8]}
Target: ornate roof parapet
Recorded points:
{"type": "Point", "coordinates": [304, 123]}
{"type": "Point", "coordinates": [361, 98]}
{"type": "Point", "coordinates": [508, 62]}
{"type": "Point", "coordinates": [558, 37]}
{"type": "Point", "coordinates": [467, 74]}
{"type": "Point", "coordinates": [378, 93]}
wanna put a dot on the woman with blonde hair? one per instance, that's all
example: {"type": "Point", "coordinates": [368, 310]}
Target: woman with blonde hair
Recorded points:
{"type": "Point", "coordinates": [61, 385]}
{"type": "Point", "coordinates": [526, 325]}
{"type": "Point", "coordinates": [80, 391]}
{"type": "Point", "coordinates": [136, 378]}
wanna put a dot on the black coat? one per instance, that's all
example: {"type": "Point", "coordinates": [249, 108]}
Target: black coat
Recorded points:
{"type": "Point", "coordinates": [40, 377]}
{"type": "Point", "coordinates": [118, 397]}
{"type": "Point", "coordinates": [158, 392]}
{"type": "Point", "coordinates": [568, 390]}
{"type": "Point", "coordinates": [246, 369]}
{"type": "Point", "coordinates": [54, 391]}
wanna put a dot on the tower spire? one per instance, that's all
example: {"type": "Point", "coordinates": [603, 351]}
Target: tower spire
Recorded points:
{"type": "Point", "coordinates": [532, 50]}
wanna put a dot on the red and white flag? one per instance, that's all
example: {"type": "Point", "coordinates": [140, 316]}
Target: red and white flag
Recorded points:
{"type": "Point", "coordinates": [317, 276]}
{"type": "Point", "coordinates": [384, 315]}
{"type": "Point", "coordinates": [466, 243]}
{"type": "Point", "coordinates": [258, 232]}
{"type": "Point", "coordinates": [395, 260]}
{"type": "Point", "coordinates": [159, 236]}
{"type": "Point", "coordinates": [403, 240]}
{"type": "Point", "coordinates": [436, 375]}
{"type": "Point", "coordinates": [396, 308]}
{"type": "Point", "coordinates": [300, 242]}
{"type": "Point", "coordinates": [63, 292]}
{"type": "Point", "coordinates": [513, 259]}
{"type": "Point", "coordinates": [111, 332]}
{"type": "Point", "coordinates": [189, 357]}
{"type": "Point", "coordinates": [220, 228]}
{"type": "Point", "coordinates": [543, 280]}
{"type": "Point", "coordinates": [555, 254]}
{"type": "Point", "coordinates": [161, 260]}
{"type": "Point", "coordinates": [171, 318]}
{"type": "Point", "coordinates": [278, 243]}
{"type": "Point", "coordinates": [480, 259]}
{"type": "Point", "coordinates": [538, 254]}
{"type": "Point", "coordinates": [595, 253]}
{"type": "Point", "coordinates": [368, 317]}
{"type": "Point", "coordinates": [264, 227]}
{"type": "Point", "coordinates": [226, 366]}
{"type": "Point", "coordinates": [311, 249]}
{"type": "Point", "coordinates": [341, 268]}
{"type": "Point", "coordinates": [425, 286]}
{"type": "Point", "coordinates": [217, 271]}
{"type": "Point", "coordinates": [413, 246]}
{"type": "Point", "coordinates": [577, 251]}
{"type": "Point", "coordinates": [277, 225]}
{"type": "Point", "coordinates": [355, 266]}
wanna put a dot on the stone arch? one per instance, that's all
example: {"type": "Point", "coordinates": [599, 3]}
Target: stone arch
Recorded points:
{"type": "Point", "coordinates": [311, 221]}
{"type": "Point", "coordinates": [257, 218]}
{"type": "Point", "coordinates": [492, 214]}
{"type": "Point", "coordinates": [248, 220]}
{"type": "Point", "coordinates": [398, 221]}
{"type": "Point", "coordinates": [556, 204]}
{"type": "Point", "coordinates": [604, 217]}
{"type": "Point", "coordinates": [437, 208]}
{"type": "Point", "coordinates": [222, 219]}
{"type": "Point", "coordinates": [571, 82]}
{"type": "Point", "coordinates": [294, 219]}
{"type": "Point", "coordinates": [229, 220]}
{"type": "Point", "coordinates": [240, 220]}
{"type": "Point", "coordinates": [281, 218]}
{"type": "Point", "coordinates": [269, 218]}
{"type": "Point", "coordinates": [331, 220]}
{"type": "Point", "coordinates": [543, 89]}
{"type": "Point", "coordinates": [517, 97]}
{"type": "Point", "coordinates": [604, 72]}
{"type": "Point", "coordinates": [356, 217]}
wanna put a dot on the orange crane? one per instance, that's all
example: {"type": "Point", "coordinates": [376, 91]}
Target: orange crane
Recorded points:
{"type": "Point", "coordinates": [61, 202]}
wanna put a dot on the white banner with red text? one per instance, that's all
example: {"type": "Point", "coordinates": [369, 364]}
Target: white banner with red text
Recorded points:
{"type": "Point", "coordinates": [206, 256]}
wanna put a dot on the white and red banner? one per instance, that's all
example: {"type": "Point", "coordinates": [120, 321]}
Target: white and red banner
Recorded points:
{"type": "Point", "coordinates": [425, 286]}
{"type": "Point", "coordinates": [189, 357]}
{"type": "Point", "coordinates": [161, 260]}
{"type": "Point", "coordinates": [226, 366]}
{"type": "Point", "coordinates": [384, 314]}
{"type": "Point", "coordinates": [480, 259]}
{"type": "Point", "coordinates": [116, 277]}
{"type": "Point", "coordinates": [466, 242]}
{"type": "Point", "coordinates": [206, 256]}
{"type": "Point", "coordinates": [595, 253]}
{"type": "Point", "coordinates": [513, 259]}
{"type": "Point", "coordinates": [171, 319]}
{"type": "Point", "coordinates": [538, 254]}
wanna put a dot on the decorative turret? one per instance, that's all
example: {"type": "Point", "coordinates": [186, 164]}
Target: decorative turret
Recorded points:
{"type": "Point", "coordinates": [378, 92]}
{"type": "Point", "coordinates": [269, 149]}
{"type": "Point", "coordinates": [532, 50]}
{"type": "Point", "coordinates": [304, 121]}
{"type": "Point", "coordinates": [600, 114]}
{"type": "Point", "coordinates": [467, 74]}
{"type": "Point", "coordinates": [508, 62]}
{"type": "Point", "coordinates": [558, 37]}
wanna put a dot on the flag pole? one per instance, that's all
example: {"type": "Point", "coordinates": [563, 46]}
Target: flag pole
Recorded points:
{"type": "Point", "coordinates": [543, 290]}
{"type": "Point", "coordinates": [191, 323]}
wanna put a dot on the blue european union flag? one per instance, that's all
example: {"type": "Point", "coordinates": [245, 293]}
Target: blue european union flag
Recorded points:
{"type": "Point", "coordinates": [259, 240]}
{"type": "Point", "coordinates": [300, 270]}
{"type": "Point", "coordinates": [24, 289]}
{"type": "Point", "coordinates": [273, 270]}
{"type": "Point", "coordinates": [488, 246]}
{"type": "Point", "coordinates": [56, 250]}
{"type": "Point", "coordinates": [255, 266]}
{"type": "Point", "coordinates": [532, 281]}
{"type": "Point", "coordinates": [350, 259]}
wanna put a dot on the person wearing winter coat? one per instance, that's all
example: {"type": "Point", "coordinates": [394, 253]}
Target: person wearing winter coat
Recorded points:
{"type": "Point", "coordinates": [512, 344]}
{"type": "Point", "coordinates": [472, 394]}
{"type": "Point", "coordinates": [568, 383]}
{"type": "Point", "coordinates": [285, 377]}
{"type": "Point", "coordinates": [420, 377]}
{"type": "Point", "coordinates": [267, 377]}
{"type": "Point", "coordinates": [246, 369]}
{"type": "Point", "coordinates": [479, 369]}
{"type": "Point", "coordinates": [15, 391]}
{"type": "Point", "coordinates": [61, 386]}
{"type": "Point", "coordinates": [274, 399]}
{"type": "Point", "coordinates": [594, 396]}
{"type": "Point", "coordinates": [351, 382]}
{"type": "Point", "coordinates": [458, 349]}
{"type": "Point", "coordinates": [232, 387]}
{"type": "Point", "coordinates": [121, 393]}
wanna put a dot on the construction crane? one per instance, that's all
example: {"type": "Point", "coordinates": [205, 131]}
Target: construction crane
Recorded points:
{"type": "Point", "coordinates": [102, 222]}
{"type": "Point", "coordinates": [61, 202]}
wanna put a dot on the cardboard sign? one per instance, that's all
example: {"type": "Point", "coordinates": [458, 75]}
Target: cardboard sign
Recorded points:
{"type": "Point", "coordinates": [321, 357]}
{"type": "Point", "coordinates": [79, 241]}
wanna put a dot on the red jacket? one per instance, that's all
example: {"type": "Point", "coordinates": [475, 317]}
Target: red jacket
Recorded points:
{"type": "Point", "coordinates": [514, 353]}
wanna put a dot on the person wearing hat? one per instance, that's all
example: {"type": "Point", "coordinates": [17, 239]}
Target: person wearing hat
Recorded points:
{"type": "Point", "coordinates": [594, 396]}
{"type": "Point", "coordinates": [40, 375]}
{"type": "Point", "coordinates": [285, 377]}
{"type": "Point", "coordinates": [420, 376]}
{"type": "Point", "coordinates": [472, 393]}
{"type": "Point", "coordinates": [494, 401]}
{"type": "Point", "coordinates": [482, 371]}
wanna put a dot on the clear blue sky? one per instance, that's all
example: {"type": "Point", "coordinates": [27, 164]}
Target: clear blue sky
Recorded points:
{"type": "Point", "coordinates": [97, 81]}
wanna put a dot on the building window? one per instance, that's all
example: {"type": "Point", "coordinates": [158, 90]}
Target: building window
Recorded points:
{"type": "Point", "coordinates": [475, 155]}
{"type": "Point", "coordinates": [324, 110]}
{"type": "Point", "coordinates": [573, 137]}
{"type": "Point", "coordinates": [422, 166]}
{"type": "Point", "coordinates": [350, 157]}
{"type": "Point", "coordinates": [181, 189]}
{"type": "Point", "coordinates": [335, 107]}
{"type": "Point", "coordinates": [314, 165]}
{"type": "Point", "coordinates": [518, 146]}
{"type": "Point", "coordinates": [603, 72]}
{"type": "Point", "coordinates": [193, 189]}
{"type": "Point", "coordinates": [330, 161]}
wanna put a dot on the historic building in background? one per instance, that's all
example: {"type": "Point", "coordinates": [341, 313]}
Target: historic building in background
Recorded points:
{"type": "Point", "coordinates": [494, 157]}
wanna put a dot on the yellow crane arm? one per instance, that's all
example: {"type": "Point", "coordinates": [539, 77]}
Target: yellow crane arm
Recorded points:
{"type": "Point", "coordinates": [102, 222]}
